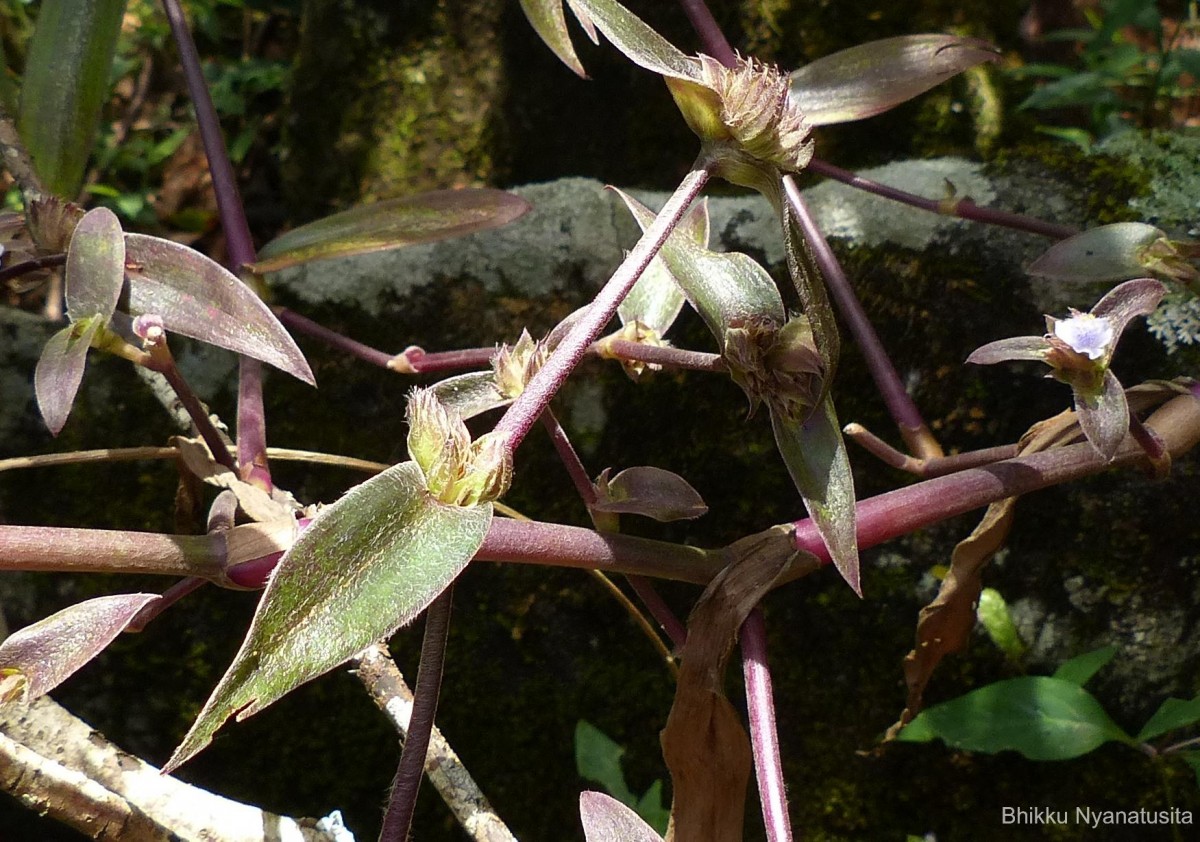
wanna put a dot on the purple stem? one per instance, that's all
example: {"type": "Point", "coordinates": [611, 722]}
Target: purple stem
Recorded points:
{"type": "Point", "coordinates": [251, 421]}
{"type": "Point", "coordinates": [900, 405]}
{"type": "Point", "coordinates": [763, 737]}
{"type": "Point", "coordinates": [403, 800]}
{"type": "Point", "coordinates": [19, 269]}
{"type": "Point", "coordinates": [524, 411]}
{"type": "Point", "coordinates": [300, 324]}
{"type": "Point", "coordinates": [164, 363]}
{"type": "Point", "coordinates": [711, 36]}
{"type": "Point", "coordinates": [623, 349]}
{"type": "Point", "coordinates": [962, 208]}
{"type": "Point", "coordinates": [437, 361]}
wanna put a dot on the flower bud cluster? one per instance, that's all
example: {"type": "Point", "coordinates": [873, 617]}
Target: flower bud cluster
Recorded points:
{"type": "Point", "coordinates": [457, 471]}
{"type": "Point", "coordinates": [778, 365]}
{"type": "Point", "coordinates": [516, 364]}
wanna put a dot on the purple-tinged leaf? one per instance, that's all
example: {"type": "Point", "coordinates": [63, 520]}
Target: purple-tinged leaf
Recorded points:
{"type": "Point", "coordinates": [727, 290]}
{"type": "Point", "coordinates": [657, 298]}
{"type": "Point", "coordinates": [197, 297]}
{"type": "Point", "coordinates": [870, 78]}
{"type": "Point", "coordinates": [648, 491]}
{"type": "Point", "coordinates": [41, 656]}
{"type": "Point", "coordinates": [1104, 418]}
{"type": "Point", "coordinates": [393, 223]}
{"type": "Point", "coordinates": [1015, 348]}
{"type": "Point", "coordinates": [365, 566]}
{"type": "Point", "coordinates": [59, 370]}
{"type": "Point", "coordinates": [95, 269]}
{"type": "Point", "coordinates": [816, 458]}
{"type": "Point", "coordinates": [640, 44]}
{"type": "Point", "coordinates": [1127, 301]}
{"type": "Point", "coordinates": [605, 819]}
{"type": "Point", "coordinates": [470, 394]}
{"type": "Point", "coordinates": [1108, 253]}
{"type": "Point", "coordinates": [548, 21]}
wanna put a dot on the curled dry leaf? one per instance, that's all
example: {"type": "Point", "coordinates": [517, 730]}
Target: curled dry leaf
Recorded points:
{"type": "Point", "coordinates": [704, 743]}
{"type": "Point", "coordinates": [648, 491]}
{"type": "Point", "coordinates": [256, 503]}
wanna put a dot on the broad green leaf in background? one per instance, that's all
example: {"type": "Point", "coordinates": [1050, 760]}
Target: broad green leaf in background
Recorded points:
{"type": "Point", "coordinates": [726, 289]}
{"type": "Point", "coordinates": [598, 759]}
{"type": "Point", "coordinates": [65, 86]}
{"type": "Point", "coordinates": [1171, 714]}
{"type": "Point", "coordinates": [548, 21]}
{"type": "Point", "coordinates": [657, 297]}
{"type": "Point", "coordinates": [41, 656]}
{"type": "Point", "coordinates": [1043, 718]}
{"type": "Point", "coordinates": [364, 567]}
{"type": "Point", "coordinates": [993, 614]}
{"type": "Point", "coordinates": [870, 78]}
{"type": "Point", "coordinates": [606, 819]}
{"type": "Point", "coordinates": [816, 458]}
{"type": "Point", "coordinates": [197, 297]}
{"type": "Point", "coordinates": [1080, 669]}
{"type": "Point", "coordinates": [393, 223]}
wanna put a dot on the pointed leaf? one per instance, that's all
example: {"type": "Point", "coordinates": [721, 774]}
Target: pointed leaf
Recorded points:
{"type": "Point", "coordinates": [657, 297]}
{"type": "Point", "coordinates": [59, 370]}
{"type": "Point", "coordinates": [598, 759]}
{"type": "Point", "coordinates": [198, 297]}
{"type": "Point", "coordinates": [95, 269]}
{"type": "Point", "coordinates": [1080, 669]}
{"type": "Point", "coordinates": [65, 86]}
{"type": "Point", "coordinates": [424, 218]}
{"type": "Point", "coordinates": [1125, 302]}
{"type": "Point", "coordinates": [364, 567]}
{"type": "Point", "coordinates": [1016, 348]}
{"type": "Point", "coordinates": [870, 78]}
{"type": "Point", "coordinates": [606, 819]}
{"type": "Point", "coordinates": [997, 621]}
{"type": "Point", "coordinates": [726, 289]}
{"type": "Point", "coordinates": [1104, 418]}
{"type": "Point", "coordinates": [1171, 714]}
{"type": "Point", "coordinates": [43, 655]}
{"type": "Point", "coordinates": [651, 492]}
{"type": "Point", "coordinates": [470, 394]}
{"type": "Point", "coordinates": [809, 281]}
{"type": "Point", "coordinates": [1042, 718]}
{"type": "Point", "coordinates": [1108, 253]}
{"type": "Point", "coordinates": [640, 44]}
{"type": "Point", "coordinates": [548, 21]}
{"type": "Point", "coordinates": [816, 458]}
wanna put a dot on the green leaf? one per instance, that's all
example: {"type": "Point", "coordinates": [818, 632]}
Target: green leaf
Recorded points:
{"type": "Point", "coordinates": [657, 297]}
{"type": "Point", "coordinates": [49, 651]}
{"type": "Point", "coordinates": [993, 614]}
{"type": "Point", "coordinates": [725, 289]}
{"type": "Point", "coordinates": [95, 270]}
{"type": "Point", "coordinates": [598, 759]}
{"type": "Point", "coordinates": [816, 458]}
{"type": "Point", "coordinates": [424, 218]}
{"type": "Point", "coordinates": [548, 21]}
{"type": "Point", "coordinates": [1192, 758]}
{"type": "Point", "coordinates": [814, 297]}
{"type": "Point", "coordinates": [65, 87]}
{"type": "Point", "coordinates": [650, 807]}
{"type": "Point", "coordinates": [640, 44]}
{"type": "Point", "coordinates": [1171, 714]}
{"type": "Point", "coordinates": [1080, 669]}
{"type": "Point", "coordinates": [198, 297]}
{"type": "Point", "coordinates": [59, 370]}
{"type": "Point", "coordinates": [364, 567]}
{"type": "Point", "coordinates": [1042, 718]}
{"type": "Point", "coordinates": [470, 394]}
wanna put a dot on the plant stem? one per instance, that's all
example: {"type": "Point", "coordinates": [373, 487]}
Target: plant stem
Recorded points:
{"type": "Point", "coordinates": [19, 269]}
{"type": "Point", "coordinates": [927, 468]}
{"type": "Point", "coordinates": [524, 411]}
{"type": "Point", "coordinates": [163, 361]}
{"type": "Point", "coordinates": [711, 36]}
{"type": "Point", "coordinates": [900, 405]}
{"type": "Point", "coordinates": [403, 800]}
{"type": "Point", "coordinates": [62, 549]}
{"type": "Point", "coordinates": [961, 208]}
{"type": "Point", "coordinates": [300, 324]}
{"type": "Point", "coordinates": [623, 349]}
{"type": "Point", "coordinates": [251, 416]}
{"type": "Point", "coordinates": [764, 739]}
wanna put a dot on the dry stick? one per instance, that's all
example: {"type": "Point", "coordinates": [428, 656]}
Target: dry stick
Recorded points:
{"type": "Point", "coordinates": [378, 673]}
{"type": "Point", "coordinates": [900, 406]}
{"type": "Point", "coordinates": [403, 799]}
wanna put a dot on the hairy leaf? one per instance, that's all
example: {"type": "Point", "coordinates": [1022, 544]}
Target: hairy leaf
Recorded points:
{"type": "Point", "coordinates": [1107, 253]}
{"type": "Point", "coordinates": [65, 86]}
{"type": "Point", "coordinates": [816, 458]}
{"type": "Point", "coordinates": [41, 656]}
{"type": "Point", "coordinates": [59, 370]}
{"type": "Point", "coordinates": [1171, 714]}
{"type": "Point", "coordinates": [606, 819]}
{"type": "Point", "coordinates": [1042, 718]}
{"type": "Point", "coordinates": [364, 567]}
{"type": "Point", "coordinates": [657, 297]}
{"type": "Point", "coordinates": [198, 297]}
{"type": "Point", "coordinates": [868, 79]}
{"type": "Point", "coordinates": [651, 492]}
{"type": "Point", "coordinates": [1081, 668]}
{"type": "Point", "coordinates": [548, 21]}
{"type": "Point", "coordinates": [393, 223]}
{"type": "Point", "coordinates": [470, 394]}
{"type": "Point", "coordinates": [640, 44]}
{"type": "Point", "coordinates": [95, 269]}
